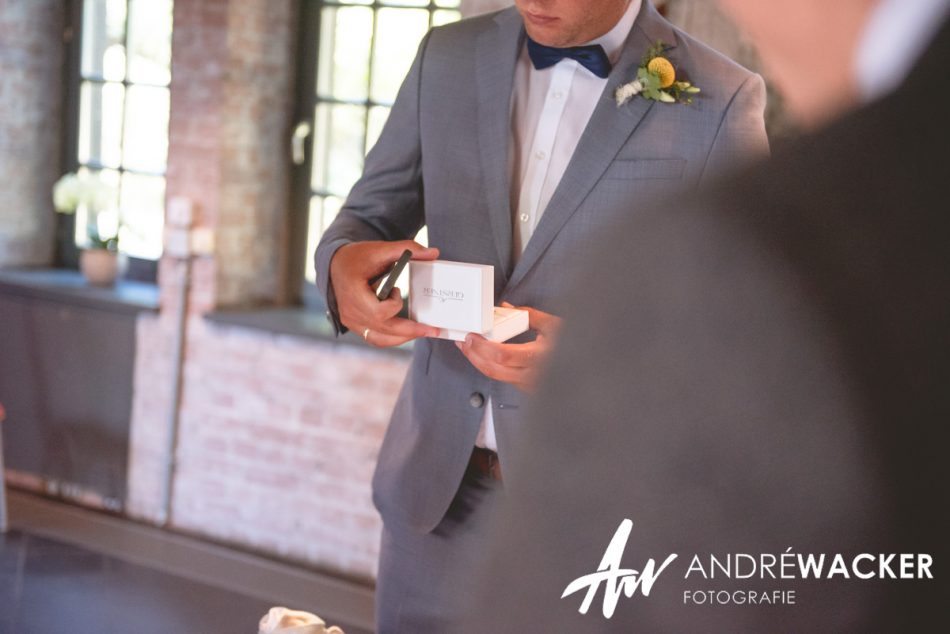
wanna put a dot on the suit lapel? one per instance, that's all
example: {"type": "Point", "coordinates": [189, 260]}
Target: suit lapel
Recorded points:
{"type": "Point", "coordinates": [497, 54]}
{"type": "Point", "coordinates": [607, 131]}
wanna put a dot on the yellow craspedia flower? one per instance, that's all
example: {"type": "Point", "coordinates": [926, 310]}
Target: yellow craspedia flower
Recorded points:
{"type": "Point", "coordinates": [662, 68]}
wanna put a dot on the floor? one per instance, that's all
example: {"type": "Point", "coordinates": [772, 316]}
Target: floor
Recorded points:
{"type": "Point", "coordinates": [51, 587]}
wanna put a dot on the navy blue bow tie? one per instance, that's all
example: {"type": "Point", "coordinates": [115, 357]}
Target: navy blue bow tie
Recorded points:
{"type": "Point", "coordinates": [591, 57]}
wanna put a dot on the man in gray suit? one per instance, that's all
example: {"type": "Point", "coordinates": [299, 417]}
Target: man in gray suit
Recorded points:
{"type": "Point", "coordinates": [507, 142]}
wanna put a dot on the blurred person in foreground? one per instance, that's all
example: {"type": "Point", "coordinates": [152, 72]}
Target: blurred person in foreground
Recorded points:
{"type": "Point", "coordinates": [762, 378]}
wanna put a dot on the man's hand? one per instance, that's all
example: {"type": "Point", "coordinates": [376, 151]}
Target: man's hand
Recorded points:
{"type": "Point", "coordinates": [515, 363]}
{"type": "Point", "coordinates": [351, 268]}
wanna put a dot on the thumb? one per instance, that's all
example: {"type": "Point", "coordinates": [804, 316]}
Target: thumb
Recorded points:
{"type": "Point", "coordinates": [380, 255]}
{"type": "Point", "coordinates": [419, 252]}
{"type": "Point", "coordinates": [387, 252]}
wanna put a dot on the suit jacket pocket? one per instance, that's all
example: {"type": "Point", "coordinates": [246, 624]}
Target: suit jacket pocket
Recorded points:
{"type": "Point", "coordinates": [635, 169]}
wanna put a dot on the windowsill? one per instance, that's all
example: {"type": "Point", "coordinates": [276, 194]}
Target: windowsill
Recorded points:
{"type": "Point", "coordinates": [70, 286]}
{"type": "Point", "coordinates": [296, 321]}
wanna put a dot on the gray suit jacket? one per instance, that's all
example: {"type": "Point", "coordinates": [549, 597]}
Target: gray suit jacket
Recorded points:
{"type": "Point", "coordinates": [442, 161]}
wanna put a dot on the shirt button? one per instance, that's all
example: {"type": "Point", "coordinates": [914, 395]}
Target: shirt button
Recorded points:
{"type": "Point", "coordinates": [476, 400]}
{"type": "Point", "coordinates": [524, 217]}
{"type": "Point", "coordinates": [558, 94]}
{"type": "Point", "coordinates": [540, 155]}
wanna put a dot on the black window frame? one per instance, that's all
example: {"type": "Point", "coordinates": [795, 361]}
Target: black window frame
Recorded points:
{"type": "Point", "coordinates": [299, 290]}
{"type": "Point", "coordinates": [66, 250]}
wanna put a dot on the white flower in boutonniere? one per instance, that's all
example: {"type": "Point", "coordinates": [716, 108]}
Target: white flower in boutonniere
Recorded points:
{"type": "Point", "coordinates": [656, 80]}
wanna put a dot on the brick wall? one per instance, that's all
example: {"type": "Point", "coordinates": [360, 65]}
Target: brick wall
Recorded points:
{"type": "Point", "coordinates": [31, 55]}
{"type": "Point", "coordinates": [277, 441]}
{"type": "Point", "coordinates": [278, 435]}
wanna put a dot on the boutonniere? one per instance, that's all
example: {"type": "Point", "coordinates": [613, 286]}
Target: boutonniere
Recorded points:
{"type": "Point", "coordinates": [656, 80]}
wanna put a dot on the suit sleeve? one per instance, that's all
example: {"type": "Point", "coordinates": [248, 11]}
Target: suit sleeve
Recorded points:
{"type": "Point", "coordinates": [386, 203]}
{"type": "Point", "coordinates": [741, 137]}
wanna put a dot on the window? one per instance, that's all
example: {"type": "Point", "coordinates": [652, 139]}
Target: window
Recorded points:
{"type": "Point", "coordinates": [360, 51]}
{"type": "Point", "coordinates": [121, 123]}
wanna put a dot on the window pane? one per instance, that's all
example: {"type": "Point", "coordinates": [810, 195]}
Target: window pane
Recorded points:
{"type": "Point", "coordinates": [398, 32]}
{"type": "Point", "coordinates": [377, 118]}
{"type": "Point", "coordinates": [447, 3]}
{"type": "Point", "coordinates": [145, 145]}
{"type": "Point", "coordinates": [150, 44]}
{"type": "Point", "coordinates": [441, 16]}
{"type": "Point", "coordinates": [405, 3]}
{"type": "Point", "coordinates": [338, 147]}
{"type": "Point", "coordinates": [142, 203]}
{"type": "Point", "coordinates": [322, 212]}
{"type": "Point", "coordinates": [103, 52]}
{"type": "Point", "coordinates": [343, 67]}
{"type": "Point", "coordinates": [100, 123]}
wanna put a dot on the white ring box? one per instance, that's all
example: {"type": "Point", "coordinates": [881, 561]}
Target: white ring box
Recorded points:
{"type": "Point", "coordinates": [459, 298]}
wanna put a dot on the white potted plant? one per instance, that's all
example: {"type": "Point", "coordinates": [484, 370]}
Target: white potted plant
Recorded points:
{"type": "Point", "coordinates": [98, 259]}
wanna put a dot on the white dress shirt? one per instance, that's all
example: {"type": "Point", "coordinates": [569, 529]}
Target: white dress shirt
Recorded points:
{"type": "Point", "coordinates": [549, 110]}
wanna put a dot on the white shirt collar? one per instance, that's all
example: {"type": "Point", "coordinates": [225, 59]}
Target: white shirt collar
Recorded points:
{"type": "Point", "coordinates": [896, 35]}
{"type": "Point", "coordinates": [612, 41]}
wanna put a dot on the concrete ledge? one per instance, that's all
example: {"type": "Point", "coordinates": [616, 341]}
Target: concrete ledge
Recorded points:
{"type": "Point", "coordinates": [71, 287]}
{"type": "Point", "coordinates": [335, 600]}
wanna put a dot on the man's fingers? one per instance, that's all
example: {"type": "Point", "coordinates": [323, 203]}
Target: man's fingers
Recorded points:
{"type": "Point", "coordinates": [363, 307]}
{"type": "Point", "coordinates": [392, 250]}
{"type": "Point", "coordinates": [389, 252]}
{"type": "Point", "coordinates": [389, 307]}
{"type": "Point", "coordinates": [396, 295]}
{"type": "Point", "coordinates": [381, 317]}
{"type": "Point", "coordinates": [490, 369]}
{"type": "Point", "coordinates": [423, 253]}
{"type": "Point", "coordinates": [373, 259]}
{"type": "Point", "coordinates": [542, 322]}
{"type": "Point", "coordinates": [538, 320]}
{"type": "Point", "coordinates": [397, 326]}
{"type": "Point", "coordinates": [394, 331]}
{"type": "Point", "coordinates": [381, 340]}
{"type": "Point", "coordinates": [511, 355]}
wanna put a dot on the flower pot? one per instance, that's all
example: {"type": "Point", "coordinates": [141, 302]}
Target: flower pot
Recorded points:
{"type": "Point", "coordinates": [99, 266]}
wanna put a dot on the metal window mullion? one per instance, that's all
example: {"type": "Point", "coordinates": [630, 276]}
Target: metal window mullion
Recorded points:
{"type": "Point", "coordinates": [325, 177]}
{"type": "Point", "coordinates": [369, 74]}
{"type": "Point", "coordinates": [326, 193]}
{"type": "Point", "coordinates": [125, 110]}
{"type": "Point", "coordinates": [101, 79]}
{"type": "Point", "coordinates": [139, 172]}
{"type": "Point", "coordinates": [369, 103]}
{"type": "Point", "coordinates": [384, 5]}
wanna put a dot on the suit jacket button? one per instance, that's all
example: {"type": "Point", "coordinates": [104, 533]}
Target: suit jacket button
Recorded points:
{"type": "Point", "coordinates": [476, 400]}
